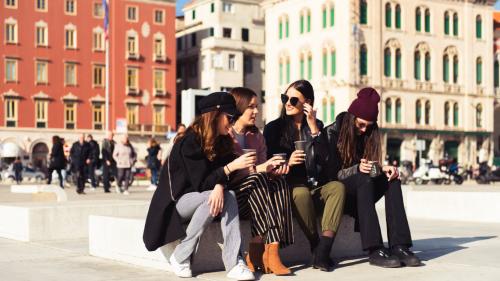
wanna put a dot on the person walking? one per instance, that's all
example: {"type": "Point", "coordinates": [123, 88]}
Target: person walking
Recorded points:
{"type": "Point", "coordinates": [262, 193]}
{"type": "Point", "coordinates": [57, 160]}
{"type": "Point", "coordinates": [355, 152]}
{"type": "Point", "coordinates": [80, 158]}
{"type": "Point", "coordinates": [94, 161]}
{"type": "Point", "coordinates": [125, 157]}
{"type": "Point", "coordinates": [17, 167]}
{"type": "Point", "coordinates": [296, 133]}
{"type": "Point", "coordinates": [194, 186]}
{"type": "Point", "coordinates": [154, 165]}
{"type": "Point", "coordinates": [108, 163]}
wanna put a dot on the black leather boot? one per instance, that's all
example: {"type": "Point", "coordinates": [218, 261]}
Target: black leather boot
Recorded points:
{"type": "Point", "coordinates": [406, 256]}
{"type": "Point", "coordinates": [383, 258]}
{"type": "Point", "coordinates": [321, 255]}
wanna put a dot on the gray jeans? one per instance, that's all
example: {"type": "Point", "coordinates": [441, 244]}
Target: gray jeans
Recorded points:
{"type": "Point", "coordinates": [194, 206]}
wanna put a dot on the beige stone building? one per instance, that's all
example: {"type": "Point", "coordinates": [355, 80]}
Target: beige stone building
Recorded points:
{"type": "Point", "coordinates": [220, 45]}
{"type": "Point", "coordinates": [430, 60]}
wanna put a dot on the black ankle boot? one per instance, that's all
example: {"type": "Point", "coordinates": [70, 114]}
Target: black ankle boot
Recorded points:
{"type": "Point", "coordinates": [383, 258]}
{"type": "Point", "coordinates": [321, 255]}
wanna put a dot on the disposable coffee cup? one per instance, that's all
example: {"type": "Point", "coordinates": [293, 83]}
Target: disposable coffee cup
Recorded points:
{"type": "Point", "coordinates": [300, 145]}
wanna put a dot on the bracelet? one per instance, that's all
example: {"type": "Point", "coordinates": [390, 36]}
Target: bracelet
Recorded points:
{"type": "Point", "coordinates": [228, 170]}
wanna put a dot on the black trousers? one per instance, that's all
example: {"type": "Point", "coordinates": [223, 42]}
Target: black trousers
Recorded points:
{"type": "Point", "coordinates": [90, 172]}
{"type": "Point", "coordinates": [80, 178]}
{"type": "Point", "coordinates": [49, 177]}
{"type": "Point", "coordinates": [107, 172]}
{"type": "Point", "coordinates": [362, 192]}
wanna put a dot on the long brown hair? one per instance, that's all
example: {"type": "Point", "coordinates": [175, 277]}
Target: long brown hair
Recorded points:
{"type": "Point", "coordinates": [205, 127]}
{"type": "Point", "coordinates": [348, 141]}
{"type": "Point", "coordinates": [243, 97]}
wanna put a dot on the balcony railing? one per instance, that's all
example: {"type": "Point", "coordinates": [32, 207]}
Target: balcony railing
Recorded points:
{"type": "Point", "coordinates": [424, 86]}
{"type": "Point", "coordinates": [147, 129]}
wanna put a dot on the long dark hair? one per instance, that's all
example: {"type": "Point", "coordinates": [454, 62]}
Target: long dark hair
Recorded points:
{"type": "Point", "coordinates": [205, 127]}
{"type": "Point", "coordinates": [348, 141]}
{"type": "Point", "coordinates": [243, 97]}
{"type": "Point", "coordinates": [289, 131]}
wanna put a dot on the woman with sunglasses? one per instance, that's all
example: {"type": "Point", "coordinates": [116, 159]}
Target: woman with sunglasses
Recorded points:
{"type": "Point", "coordinates": [193, 187]}
{"type": "Point", "coordinates": [262, 193]}
{"type": "Point", "coordinates": [354, 157]}
{"type": "Point", "coordinates": [298, 123]}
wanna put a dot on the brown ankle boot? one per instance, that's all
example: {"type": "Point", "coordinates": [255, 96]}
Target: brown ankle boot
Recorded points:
{"type": "Point", "coordinates": [254, 256]}
{"type": "Point", "coordinates": [272, 261]}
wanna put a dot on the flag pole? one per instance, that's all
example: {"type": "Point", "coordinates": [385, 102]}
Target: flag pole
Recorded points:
{"type": "Point", "coordinates": [106, 11]}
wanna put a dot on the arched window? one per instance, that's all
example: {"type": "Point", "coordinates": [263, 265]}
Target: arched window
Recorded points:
{"type": "Point", "coordinates": [446, 23]}
{"type": "Point", "coordinates": [309, 66]}
{"type": "Point", "coordinates": [455, 114]}
{"type": "Point", "coordinates": [418, 20]}
{"type": "Point", "coordinates": [302, 67]}
{"type": "Point", "coordinates": [398, 111]}
{"type": "Point", "coordinates": [388, 110]}
{"type": "Point", "coordinates": [332, 15]}
{"type": "Point", "coordinates": [387, 62]}
{"type": "Point", "coordinates": [455, 24]}
{"type": "Point", "coordinates": [287, 27]}
{"type": "Point", "coordinates": [479, 27]}
{"type": "Point", "coordinates": [455, 69]}
{"type": "Point", "coordinates": [416, 61]}
{"type": "Point", "coordinates": [427, 112]}
{"type": "Point", "coordinates": [363, 62]}
{"type": "Point", "coordinates": [328, 12]}
{"type": "Point", "coordinates": [333, 62]}
{"type": "Point", "coordinates": [398, 63]}
{"type": "Point", "coordinates": [388, 15]}
{"type": "Point", "coordinates": [496, 72]}
{"type": "Point", "coordinates": [427, 20]}
{"type": "Point", "coordinates": [479, 116]}
{"type": "Point", "coordinates": [305, 21]}
{"type": "Point", "coordinates": [479, 71]}
{"type": "Point", "coordinates": [288, 70]}
{"type": "Point", "coordinates": [398, 16]}
{"type": "Point", "coordinates": [418, 112]}
{"type": "Point", "coordinates": [281, 71]}
{"type": "Point", "coordinates": [363, 12]}
{"type": "Point", "coordinates": [446, 68]}
{"type": "Point", "coordinates": [446, 113]}
{"type": "Point", "coordinates": [332, 108]}
{"type": "Point", "coordinates": [427, 66]}
{"type": "Point", "coordinates": [324, 107]}
{"type": "Point", "coordinates": [325, 62]}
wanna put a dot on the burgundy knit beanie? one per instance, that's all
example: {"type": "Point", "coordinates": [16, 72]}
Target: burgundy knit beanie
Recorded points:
{"type": "Point", "coordinates": [366, 105]}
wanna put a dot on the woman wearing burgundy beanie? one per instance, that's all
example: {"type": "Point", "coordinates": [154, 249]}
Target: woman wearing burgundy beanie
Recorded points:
{"type": "Point", "coordinates": [355, 155]}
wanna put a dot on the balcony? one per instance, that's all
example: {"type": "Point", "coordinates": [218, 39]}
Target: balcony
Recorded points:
{"type": "Point", "coordinates": [393, 83]}
{"type": "Point", "coordinates": [132, 91]}
{"type": "Point", "coordinates": [423, 86]}
{"type": "Point", "coordinates": [497, 93]}
{"type": "Point", "coordinates": [133, 56]}
{"type": "Point", "coordinates": [479, 90]}
{"type": "Point", "coordinates": [159, 93]}
{"type": "Point", "coordinates": [452, 88]}
{"type": "Point", "coordinates": [160, 58]}
{"type": "Point", "coordinates": [147, 129]}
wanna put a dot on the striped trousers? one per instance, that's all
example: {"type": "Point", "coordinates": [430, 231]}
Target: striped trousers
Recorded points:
{"type": "Point", "coordinates": [267, 202]}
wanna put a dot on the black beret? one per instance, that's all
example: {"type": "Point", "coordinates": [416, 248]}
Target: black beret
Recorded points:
{"type": "Point", "coordinates": [218, 101]}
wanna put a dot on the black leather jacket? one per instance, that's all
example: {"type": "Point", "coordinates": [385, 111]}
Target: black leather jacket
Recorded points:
{"type": "Point", "coordinates": [316, 151]}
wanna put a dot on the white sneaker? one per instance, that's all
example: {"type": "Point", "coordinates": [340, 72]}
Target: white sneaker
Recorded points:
{"type": "Point", "coordinates": [240, 271]}
{"type": "Point", "coordinates": [182, 270]}
{"type": "Point", "coordinates": [126, 192]}
{"type": "Point", "coordinates": [151, 187]}
{"type": "Point", "coordinates": [117, 189]}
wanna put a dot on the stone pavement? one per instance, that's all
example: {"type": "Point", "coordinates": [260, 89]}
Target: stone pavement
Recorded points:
{"type": "Point", "coordinates": [450, 250]}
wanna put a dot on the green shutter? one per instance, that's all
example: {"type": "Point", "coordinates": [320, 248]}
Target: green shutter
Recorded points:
{"type": "Point", "coordinates": [446, 113]}
{"type": "Point", "coordinates": [325, 111]}
{"type": "Point", "coordinates": [427, 67]}
{"type": "Point", "coordinates": [308, 22]}
{"type": "Point", "coordinates": [325, 63]}
{"type": "Point", "coordinates": [418, 20]}
{"type": "Point", "coordinates": [455, 115]}
{"type": "Point", "coordinates": [212, 8]}
{"type": "Point", "coordinates": [324, 18]}
{"type": "Point", "coordinates": [496, 72]}
{"type": "Point", "coordinates": [417, 65]}
{"type": "Point", "coordinates": [286, 28]}
{"type": "Point", "coordinates": [288, 72]}
{"type": "Point", "coordinates": [388, 15]}
{"type": "Point", "coordinates": [446, 69]}
{"type": "Point", "coordinates": [309, 67]}
{"type": "Point", "coordinates": [387, 62]}
{"type": "Point", "coordinates": [301, 24]}
{"type": "Point", "coordinates": [363, 13]}
{"type": "Point", "coordinates": [363, 67]}
{"type": "Point", "coordinates": [455, 25]}
{"type": "Point", "coordinates": [194, 14]}
{"type": "Point", "coordinates": [332, 16]}
{"type": "Point", "coordinates": [388, 111]}
{"type": "Point", "coordinates": [427, 21]}
{"type": "Point", "coordinates": [446, 23]}
{"type": "Point", "coordinates": [479, 72]}
{"type": "Point", "coordinates": [301, 68]}
{"type": "Point", "coordinates": [398, 111]}
{"type": "Point", "coordinates": [281, 30]}
{"type": "Point", "coordinates": [398, 64]}
{"type": "Point", "coordinates": [478, 27]}
{"type": "Point", "coordinates": [455, 69]}
{"type": "Point", "coordinates": [398, 17]}
{"type": "Point", "coordinates": [333, 58]}
{"type": "Point", "coordinates": [281, 73]}
{"type": "Point", "coordinates": [418, 112]}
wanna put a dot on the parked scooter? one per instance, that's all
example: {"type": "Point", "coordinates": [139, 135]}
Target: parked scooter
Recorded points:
{"type": "Point", "coordinates": [429, 173]}
{"type": "Point", "coordinates": [486, 175]}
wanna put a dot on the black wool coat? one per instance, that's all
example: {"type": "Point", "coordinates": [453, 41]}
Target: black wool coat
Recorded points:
{"type": "Point", "coordinates": [187, 169]}
{"type": "Point", "coordinates": [57, 158]}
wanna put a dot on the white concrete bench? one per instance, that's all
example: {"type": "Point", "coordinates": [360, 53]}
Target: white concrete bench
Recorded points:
{"type": "Point", "coordinates": [35, 221]}
{"type": "Point", "coordinates": [120, 239]}
{"type": "Point", "coordinates": [41, 188]}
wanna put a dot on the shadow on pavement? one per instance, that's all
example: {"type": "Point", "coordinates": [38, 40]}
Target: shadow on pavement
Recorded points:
{"type": "Point", "coordinates": [432, 248]}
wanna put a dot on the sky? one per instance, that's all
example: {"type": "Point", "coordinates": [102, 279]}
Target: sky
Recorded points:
{"type": "Point", "coordinates": [180, 4]}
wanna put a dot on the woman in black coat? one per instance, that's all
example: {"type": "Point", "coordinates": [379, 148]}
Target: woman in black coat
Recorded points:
{"type": "Point", "coordinates": [57, 160]}
{"type": "Point", "coordinates": [193, 187]}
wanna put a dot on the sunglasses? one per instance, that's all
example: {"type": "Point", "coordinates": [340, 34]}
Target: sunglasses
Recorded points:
{"type": "Point", "coordinates": [293, 100]}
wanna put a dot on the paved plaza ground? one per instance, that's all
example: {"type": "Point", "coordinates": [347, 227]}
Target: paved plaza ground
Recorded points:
{"type": "Point", "coordinates": [450, 251]}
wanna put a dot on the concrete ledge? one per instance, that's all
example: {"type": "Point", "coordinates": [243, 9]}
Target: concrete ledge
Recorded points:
{"type": "Point", "coordinates": [120, 238]}
{"type": "Point", "coordinates": [41, 188]}
{"type": "Point", "coordinates": [35, 221]}
{"type": "Point", "coordinates": [468, 205]}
